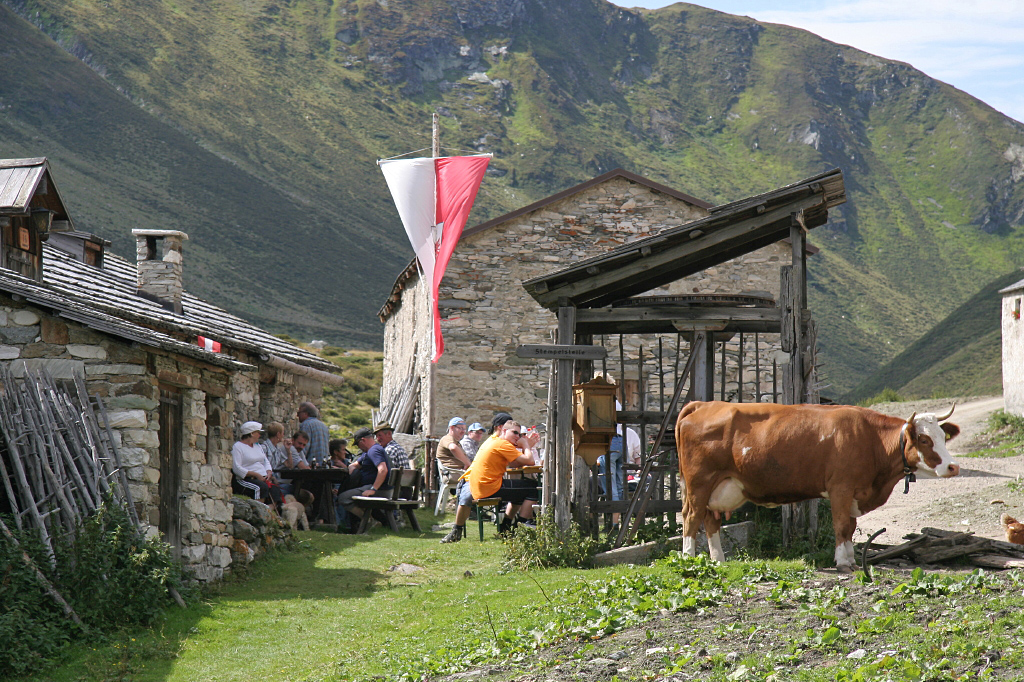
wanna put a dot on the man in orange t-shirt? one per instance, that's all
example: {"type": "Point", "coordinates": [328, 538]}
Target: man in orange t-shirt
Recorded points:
{"type": "Point", "coordinates": [486, 478]}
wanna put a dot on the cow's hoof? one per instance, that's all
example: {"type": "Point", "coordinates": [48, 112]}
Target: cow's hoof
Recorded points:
{"type": "Point", "coordinates": [844, 569]}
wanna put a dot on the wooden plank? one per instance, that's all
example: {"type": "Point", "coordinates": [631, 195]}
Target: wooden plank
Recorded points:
{"type": "Point", "coordinates": [798, 293]}
{"type": "Point", "coordinates": [897, 550]}
{"type": "Point", "coordinates": [559, 351]}
{"type": "Point", "coordinates": [996, 561]}
{"type": "Point", "coordinates": [563, 424]}
{"type": "Point", "coordinates": [786, 308]}
{"type": "Point", "coordinates": [929, 555]}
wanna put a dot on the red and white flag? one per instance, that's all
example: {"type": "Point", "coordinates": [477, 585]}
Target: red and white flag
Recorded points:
{"type": "Point", "coordinates": [434, 198]}
{"type": "Point", "coordinates": [209, 344]}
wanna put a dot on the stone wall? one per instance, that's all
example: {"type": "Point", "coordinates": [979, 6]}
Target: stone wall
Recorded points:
{"type": "Point", "coordinates": [128, 378]}
{"type": "Point", "coordinates": [1013, 351]}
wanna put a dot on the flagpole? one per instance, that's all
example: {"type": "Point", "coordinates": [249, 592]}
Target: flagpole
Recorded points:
{"type": "Point", "coordinates": [435, 151]}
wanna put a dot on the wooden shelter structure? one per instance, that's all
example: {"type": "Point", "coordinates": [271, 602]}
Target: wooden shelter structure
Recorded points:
{"type": "Point", "coordinates": [594, 297]}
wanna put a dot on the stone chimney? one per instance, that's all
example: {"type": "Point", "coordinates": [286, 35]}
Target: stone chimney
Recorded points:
{"type": "Point", "coordinates": [160, 267]}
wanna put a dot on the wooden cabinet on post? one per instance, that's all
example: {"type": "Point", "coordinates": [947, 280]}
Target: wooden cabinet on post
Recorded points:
{"type": "Point", "coordinates": [593, 424]}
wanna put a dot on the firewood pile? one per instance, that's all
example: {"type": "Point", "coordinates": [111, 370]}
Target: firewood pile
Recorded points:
{"type": "Point", "coordinates": [58, 458]}
{"type": "Point", "coordinates": [936, 546]}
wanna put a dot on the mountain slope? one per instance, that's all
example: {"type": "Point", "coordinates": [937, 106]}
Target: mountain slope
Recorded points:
{"type": "Point", "coordinates": [298, 97]}
{"type": "Point", "coordinates": [961, 355]}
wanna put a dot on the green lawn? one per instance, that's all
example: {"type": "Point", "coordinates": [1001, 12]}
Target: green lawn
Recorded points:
{"type": "Point", "coordinates": [325, 611]}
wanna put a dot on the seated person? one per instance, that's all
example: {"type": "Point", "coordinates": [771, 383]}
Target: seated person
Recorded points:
{"type": "Point", "coordinates": [253, 473]}
{"type": "Point", "coordinates": [486, 479]}
{"type": "Point", "coordinates": [471, 441]}
{"type": "Point", "coordinates": [449, 452]}
{"type": "Point", "coordinates": [277, 454]}
{"type": "Point", "coordinates": [396, 453]}
{"type": "Point", "coordinates": [297, 452]}
{"type": "Point", "coordinates": [340, 458]}
{"type": "Point", "coordinates": [369, 473]}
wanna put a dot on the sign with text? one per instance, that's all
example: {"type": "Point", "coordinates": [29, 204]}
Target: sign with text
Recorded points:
{"type": "Point", "coordinates": [557, 352]}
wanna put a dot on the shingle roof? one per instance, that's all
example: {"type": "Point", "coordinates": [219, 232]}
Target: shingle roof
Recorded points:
{"type": "Point", "coordinates": [19, 179]}
{"type": "Point", "coordinates": [1013, 287]}
{"type": "Point", "coordinates": [105, 299]}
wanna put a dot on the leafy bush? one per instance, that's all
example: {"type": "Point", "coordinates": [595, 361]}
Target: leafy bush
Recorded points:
{"type": "Point", "coordinates": [546, 546]}
{"type": "Point", "coordinates": [109, 573]}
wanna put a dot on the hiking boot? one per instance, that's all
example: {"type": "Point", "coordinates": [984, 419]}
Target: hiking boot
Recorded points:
{"type": "Point", "coordinates": [455, 535]}
{"type": "Point", "coordinates": [505, 528]}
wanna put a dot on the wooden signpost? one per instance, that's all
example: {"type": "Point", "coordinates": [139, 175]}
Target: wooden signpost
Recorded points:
{"type": "Point", "coordinates": [561, 352]}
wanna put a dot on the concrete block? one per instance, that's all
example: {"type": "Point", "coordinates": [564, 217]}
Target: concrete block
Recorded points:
{"type": "Point", "coordinates": [81, 350]}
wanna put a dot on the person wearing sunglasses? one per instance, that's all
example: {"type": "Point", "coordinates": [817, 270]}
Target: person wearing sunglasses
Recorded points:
{"type": "Point", "coordinates": [486, 478]}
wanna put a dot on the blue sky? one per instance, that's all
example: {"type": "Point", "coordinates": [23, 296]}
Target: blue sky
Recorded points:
{"type": "Point", "coordinates": [974, 45]}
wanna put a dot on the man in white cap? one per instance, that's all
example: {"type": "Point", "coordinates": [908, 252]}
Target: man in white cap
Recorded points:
{"type": "Point", "coordinates": [471, 441]}
{"type": "Point", "coordinates": [253, 473]}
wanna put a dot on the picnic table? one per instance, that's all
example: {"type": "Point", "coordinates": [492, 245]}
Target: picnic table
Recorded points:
{"type": "Point", "coordinates": [321, 483]}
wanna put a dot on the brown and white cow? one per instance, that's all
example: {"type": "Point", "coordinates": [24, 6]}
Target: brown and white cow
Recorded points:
{"type": "Point", "coordinates": [771, 454]}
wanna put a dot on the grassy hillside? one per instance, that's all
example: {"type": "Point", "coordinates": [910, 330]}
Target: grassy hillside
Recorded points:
{"type": "Point", "coordinates": [281, 106]}
{"type": "Point", "coordinates": [961, 355]}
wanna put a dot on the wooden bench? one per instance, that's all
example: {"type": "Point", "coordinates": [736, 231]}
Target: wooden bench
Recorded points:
{"type": "Point", "coordinates": [402, 497]}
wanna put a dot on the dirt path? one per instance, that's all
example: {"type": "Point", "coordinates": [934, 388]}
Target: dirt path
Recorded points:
{"type": "Point", "coordinates": [973, 501]}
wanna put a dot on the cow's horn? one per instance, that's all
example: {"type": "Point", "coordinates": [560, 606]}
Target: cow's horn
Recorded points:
{"type": "Point", "coordinates": [911, 420]}
{"type": "Point", "coordinates": [947, 415]}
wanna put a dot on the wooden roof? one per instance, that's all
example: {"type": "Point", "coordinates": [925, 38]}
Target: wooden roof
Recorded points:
{"type": "Point", "coordinates": [729, 231]}
{"type": "Point", "coordinates": [20, 182]}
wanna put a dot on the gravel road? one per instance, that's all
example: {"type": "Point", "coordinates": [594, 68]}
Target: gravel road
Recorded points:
{"type": "Point", "coordinates": [972, 501]}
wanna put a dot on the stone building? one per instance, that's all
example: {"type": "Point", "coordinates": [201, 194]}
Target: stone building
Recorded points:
{"type": "Point", "coordinates": [486, 312]}
{"type": "Point", "coordinates": [140, 341]}
{"type": "Point", "coordinates": [1013, 348]}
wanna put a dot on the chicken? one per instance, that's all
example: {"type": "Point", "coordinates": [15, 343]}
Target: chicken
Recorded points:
{"type": "Point", "coordinates": [1014, 529]}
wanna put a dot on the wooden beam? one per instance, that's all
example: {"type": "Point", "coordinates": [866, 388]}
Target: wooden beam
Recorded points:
{"type": "Point", "coordinates": [798, 284]}
{"type": "Point", "coordinates": [563, 416]}
{"type": "Point", "coordinates": [675, 261]}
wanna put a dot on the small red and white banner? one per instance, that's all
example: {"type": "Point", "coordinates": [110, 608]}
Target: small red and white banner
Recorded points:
{"type": "Point", "coordinates": [209, 344]}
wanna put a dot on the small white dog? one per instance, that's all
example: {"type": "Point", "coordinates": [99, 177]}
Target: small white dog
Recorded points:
{"type": "Point", "coordinates": [295, 513]}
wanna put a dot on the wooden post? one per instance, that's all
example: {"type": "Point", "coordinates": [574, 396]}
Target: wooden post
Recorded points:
{"type": "Point", "coordinates": [787, 331]}
{"type": "Point", "coordinates": [798, 288]}
{"type": "Point", "coordinates": [582, 477]}
{"type": "Point", "coordinates": [549, 438]}
{"type": "Point", "coordinates": [563, 416]}
{"type": "Point", "coordinates": [703, 383]}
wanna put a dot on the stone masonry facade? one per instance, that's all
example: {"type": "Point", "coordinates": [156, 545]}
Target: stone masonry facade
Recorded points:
{"type": "Point", "coordinates": [128, 378]}
{"type": "Point", "coordinates": [486, 312]}
{"type": "Point", "coordinates": [1013, 348]}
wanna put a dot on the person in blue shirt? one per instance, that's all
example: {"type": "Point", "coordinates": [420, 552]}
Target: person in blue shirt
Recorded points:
{"type": "Point", "coordinates": [310, 424]}
{"type": "Point", "coordinates": [369, 472]}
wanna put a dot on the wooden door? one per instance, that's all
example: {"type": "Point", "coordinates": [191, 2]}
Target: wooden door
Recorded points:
{"type": "Point", "coordinates": [170, 466]}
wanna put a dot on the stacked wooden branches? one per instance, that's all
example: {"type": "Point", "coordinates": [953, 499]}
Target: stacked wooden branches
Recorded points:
{"type": "Point", "coordinates": [58, 459]}
{"type": "Point", "coordinates": [935, 546]}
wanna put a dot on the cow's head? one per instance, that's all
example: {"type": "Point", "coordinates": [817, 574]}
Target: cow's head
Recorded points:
{"type": "Point", "coordinates": [926, 440]}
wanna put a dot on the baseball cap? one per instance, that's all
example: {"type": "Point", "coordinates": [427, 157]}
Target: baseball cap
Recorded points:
{"type": "Point", "coordinates": [250, 427]}
{"type": "Point", "coordinates": [476, 426]}
{"type": "Point", "coordinates": [361, 433]}
{"type": "Point", "coordinates": [500, 419]}
{"type": "Point", "coordinates": [455, 421]}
